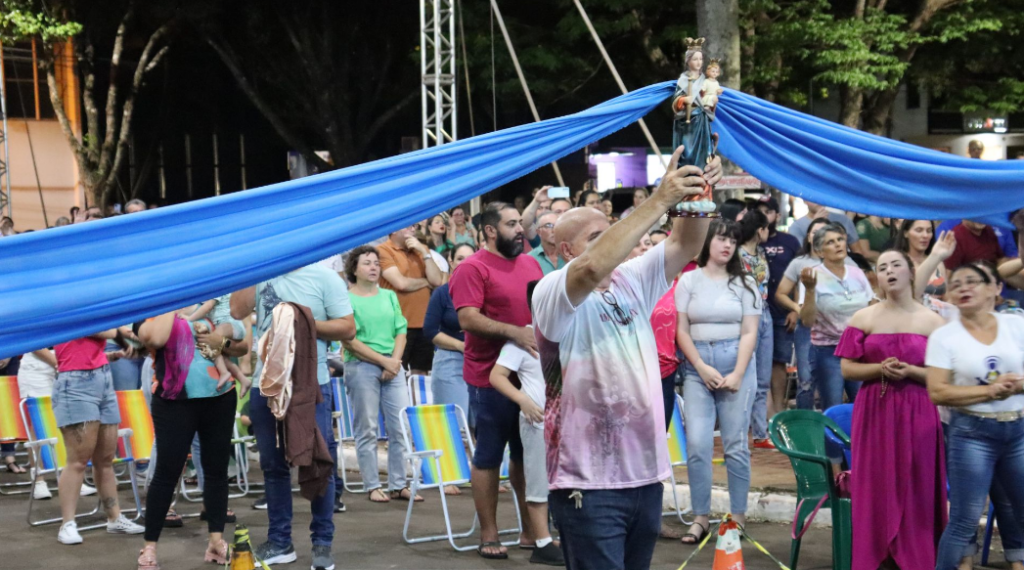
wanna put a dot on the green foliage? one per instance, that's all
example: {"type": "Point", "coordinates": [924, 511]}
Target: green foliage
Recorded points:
{"type": "Point", "coordinates": [22, 20]}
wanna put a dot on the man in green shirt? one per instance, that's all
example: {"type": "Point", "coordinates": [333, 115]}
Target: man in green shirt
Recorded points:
{"type": "Point", "coordinates": [547, 254]}
{"type": "Point", "coordinates": [875, 232]}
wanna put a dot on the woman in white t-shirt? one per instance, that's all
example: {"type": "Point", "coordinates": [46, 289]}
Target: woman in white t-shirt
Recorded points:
{"type": "Point", "coordinates": [719, 308]}
{"type": "Point", "coordinates": [976, 367]}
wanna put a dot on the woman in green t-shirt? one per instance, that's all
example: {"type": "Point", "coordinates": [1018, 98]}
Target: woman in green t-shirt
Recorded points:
{"type": "Point", "coordinates": [374, 377]}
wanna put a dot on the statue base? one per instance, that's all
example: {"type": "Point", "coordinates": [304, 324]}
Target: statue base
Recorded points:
{"type": "Point", "coordinates": [677, 214]}
{"type": "Point", "coordinates": [694, 209]}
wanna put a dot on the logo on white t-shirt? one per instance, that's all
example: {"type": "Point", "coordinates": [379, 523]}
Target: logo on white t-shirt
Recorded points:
{"type": "Point", "coordinates": [992, 363]}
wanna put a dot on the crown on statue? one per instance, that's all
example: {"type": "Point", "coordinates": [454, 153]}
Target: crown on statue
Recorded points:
{"type": "Point", "coordinates": [714, 62]}
{"type": "Point", "coordinates": [694, 44]}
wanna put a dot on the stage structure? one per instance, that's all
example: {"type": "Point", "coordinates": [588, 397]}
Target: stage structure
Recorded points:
{"type": "Point", "coordinates": [437, 67]}
{"type": "Point", "coordinates": [5, 175]}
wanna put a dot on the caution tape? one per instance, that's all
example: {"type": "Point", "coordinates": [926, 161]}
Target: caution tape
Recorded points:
{"type": "Point", "coordinates": [744, 535]}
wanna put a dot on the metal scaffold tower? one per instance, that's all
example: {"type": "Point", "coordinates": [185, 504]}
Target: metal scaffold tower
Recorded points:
{"type": "Point", "coordinates": [437, 66]}
{"type": "Point", "coordinates": [5, 175]}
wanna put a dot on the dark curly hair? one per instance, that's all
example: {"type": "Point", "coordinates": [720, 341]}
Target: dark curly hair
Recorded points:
{"type": "Point", "coordinates": [352, 261]}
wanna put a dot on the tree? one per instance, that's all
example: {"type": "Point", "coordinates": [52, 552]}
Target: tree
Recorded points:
{"type": "Point", "coordinates": [101, 150]}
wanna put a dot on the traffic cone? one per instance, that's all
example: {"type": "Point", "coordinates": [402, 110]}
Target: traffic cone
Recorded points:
{"type": "Point", "coordinates": [241, 553]}
{"type": "Point", "coordinates": [728, 547]}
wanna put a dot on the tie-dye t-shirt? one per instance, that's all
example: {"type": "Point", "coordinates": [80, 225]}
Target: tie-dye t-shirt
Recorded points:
{"type": "Point", "coordinates": [837, 300]}
{"type": "Point", "coordinates": [604, 423]}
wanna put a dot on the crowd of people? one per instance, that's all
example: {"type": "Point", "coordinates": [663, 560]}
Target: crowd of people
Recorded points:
{"type": "Point", "coordinates": [565, 331]}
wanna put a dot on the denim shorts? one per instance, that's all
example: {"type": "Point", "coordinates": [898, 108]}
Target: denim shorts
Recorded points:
{"type": "Point", "coordinates": [782, 341]}
{"type": "Point", "coordinates": [497, 425]}
{"type": "Point", "coordinates": [85, 396]}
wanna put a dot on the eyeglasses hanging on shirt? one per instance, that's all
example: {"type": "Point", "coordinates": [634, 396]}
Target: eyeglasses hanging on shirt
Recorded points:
{"type": "Point", "coordinates": [620, 316]}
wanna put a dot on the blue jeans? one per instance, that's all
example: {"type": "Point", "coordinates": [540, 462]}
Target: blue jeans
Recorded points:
{"type": "Point", "coordinates": [614, 529]}
{"type": "Point", "coordinates": [277, 473]}
{"type": "Point", "coordinates": [981, 451]}
{"type": "Point", "coordinates": [701, 406]}
{"type": "Point", "coordinates": [804, 368]}
{"type": "Point", "coordinates": [369, 395]}
{"type": "Point", "coordinates": [447, 383]}
{"type": "Point", "coordinates": [127, 372]}
{"type": "Point", "coordinates": [762, 365]}
{"type": "Point", "coordinates": [828, 377]}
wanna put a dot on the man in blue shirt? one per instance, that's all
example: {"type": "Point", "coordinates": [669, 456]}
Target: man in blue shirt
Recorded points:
{"type": "Point", "coordinates": [547, 254]}
{"type": "Point", "coordinates": [325, 294]}
{"type": "Point", "coordinates": [780, 249]}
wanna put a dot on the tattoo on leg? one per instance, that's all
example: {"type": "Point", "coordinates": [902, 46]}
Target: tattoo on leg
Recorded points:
{"type": "Point", "coordinates": [77, 430]}
{"type": "Point", "coordinates": [109, 503]}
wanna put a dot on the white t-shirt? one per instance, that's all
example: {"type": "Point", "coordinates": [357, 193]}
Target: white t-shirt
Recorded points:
{"type": "Point", "coordinates": [440, 261]}
{"type": "Point", "coordinates": [527, 367]}
{"type": "Point", "coordinates": [605, 421]}
{"type": "Point", "coordinates": [716, 307]}
{"type": "Point", "coordinates": [35, 377]}
{"type": "Point", "coordinates": [951, 347]}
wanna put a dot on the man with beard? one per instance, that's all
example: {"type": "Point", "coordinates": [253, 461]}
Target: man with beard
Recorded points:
{"type": "Point", "coordinates": [489, 292]}
{"type": "Point", "coordinates": [604, 424]}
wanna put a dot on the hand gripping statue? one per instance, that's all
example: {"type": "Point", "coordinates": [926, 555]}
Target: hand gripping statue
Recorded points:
{"type": "Point", "coordinates": [694, 105]}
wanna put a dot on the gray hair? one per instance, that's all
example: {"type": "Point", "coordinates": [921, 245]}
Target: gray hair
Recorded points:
{"type": "Point", "coordinates": [819, 235]}
{"type": "Point", "coordinates": [135, 202]}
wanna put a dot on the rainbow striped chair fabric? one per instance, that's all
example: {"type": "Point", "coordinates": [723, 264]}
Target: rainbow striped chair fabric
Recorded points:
{"type": "Point", "coordinates": [420, 390]}
{"type": "Point", "coordinates": [12, 430]}
{"type": "Point", "coordinates": [47, 446]}
{"type": "Point", "coordinates": [440, 448]}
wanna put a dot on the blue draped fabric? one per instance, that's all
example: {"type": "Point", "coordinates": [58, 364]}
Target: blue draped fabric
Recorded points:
{"type": "Point", "coordinates": [73, 281]}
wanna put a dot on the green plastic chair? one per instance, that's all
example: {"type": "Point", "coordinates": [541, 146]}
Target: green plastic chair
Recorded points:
{"type": "Point", "coordinates": [800, 434]}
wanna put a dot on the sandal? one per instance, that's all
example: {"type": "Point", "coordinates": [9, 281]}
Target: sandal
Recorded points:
{"type": "Point", "coordinates": [404, 495]}
{"type": "Point", "coordinates": [452, 490]}
{"type": "Point", "coordinates": [704, 530]}
{"type": "Point", "coordinates": [147, 558]}
{"type": "Point", "coordinates": [377, 496]}
{"type": "Point", "coordinates": [173, 520]}
{"type": "Point", "coordinates": [491, 555]}
{"type": "Point", "coordinates": [218, 554]}
{"type": "Point", "coordinates": [13, 467]}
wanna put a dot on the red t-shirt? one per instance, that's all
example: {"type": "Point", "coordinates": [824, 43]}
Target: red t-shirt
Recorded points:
{"type": "Point", "coordinates": [664, 319]}
{"type": "Point", "coordinates": [970, 247]}
{"type": "Point", "coordinates": [496, 286]}
{"type": "Point", "coordinates": [81, 354]}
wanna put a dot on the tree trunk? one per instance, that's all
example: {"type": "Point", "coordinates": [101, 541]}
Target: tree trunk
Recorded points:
{"type": "Point", "coordinates": [876, 114]}
{"type": "Point", "coordinates": [718, 21]}
{"type": "Point", "coordinates": [852, 104]}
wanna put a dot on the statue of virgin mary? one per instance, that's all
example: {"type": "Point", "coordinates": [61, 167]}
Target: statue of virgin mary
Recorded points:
{"type": "Point", "coordinates": [692, 125]}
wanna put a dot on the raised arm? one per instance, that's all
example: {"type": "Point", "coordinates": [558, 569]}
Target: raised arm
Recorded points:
{"type": "Point", "coordinates": [243, 302]}
{"type": "Point", "coordinates": [612, 247]}
{"type": "Point", "coordinates": [202, 311]}
{"type": "Point", "coordinates": [529, 218]}
{"type": "Point", "coordinates": [155, 332]}
{"type": "Point", "coordinates": [941, 251]}
{"type": "Point", "coordinates": [809, 310]}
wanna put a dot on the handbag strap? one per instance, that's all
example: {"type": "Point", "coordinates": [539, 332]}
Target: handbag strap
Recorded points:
{"type": "Point", "coordinates": [808, 520]}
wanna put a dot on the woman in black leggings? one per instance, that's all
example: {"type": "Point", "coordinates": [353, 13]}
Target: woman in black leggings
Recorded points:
{"type": "Point", "coordinates": [188, 398]}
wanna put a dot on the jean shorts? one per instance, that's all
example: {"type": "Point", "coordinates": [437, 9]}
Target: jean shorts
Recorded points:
{"type": "Point", "coordinates": [782, 350]}
{"type": "Point", "coordinates": [85, 396]}
{"type": "Point", "coordinates": [497, 426]}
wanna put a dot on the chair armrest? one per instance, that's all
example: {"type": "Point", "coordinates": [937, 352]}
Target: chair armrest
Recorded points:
{"type": "Point", "coordinates": [838, 432]}
{"type": "Point", "coordinates": [427, 453]}
{"type": "Point", "coordinates": [41, 442]}
{"type": "Point", "coordinates": [124, 432]}
{"type": "Point", "coordinates": [805, 456]}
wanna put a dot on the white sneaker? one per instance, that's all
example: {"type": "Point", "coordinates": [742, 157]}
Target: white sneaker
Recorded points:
{"type": "Point", "coordinates": [124, 526]}
{"type": "Point", "coordinates": [69, 534]}
{"type": "Point", "coordinates": [41, 491]}
{"type": "Point", "coordinates": [87, 490]}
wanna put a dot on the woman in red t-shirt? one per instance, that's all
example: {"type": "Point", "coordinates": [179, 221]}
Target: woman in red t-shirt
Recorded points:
{"type": "Point", "coordinates": [85, 407]}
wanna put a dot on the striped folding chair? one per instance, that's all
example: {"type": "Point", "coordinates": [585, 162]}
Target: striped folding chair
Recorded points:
{"type": "Point", "coordinates": [420, 390]}
{"type": "Point", "coordinates": [47, 446]}
{"type": "Point", "coordinates": [138, 423]}
{"type": "Point", "coordinates": [342, 415]}
{"type": "Point", "coordinates": [11, 430]}
{"type": "Point", "coordinates": [677, 458]}
{"type": "Point", "coordinates": [439, 446]}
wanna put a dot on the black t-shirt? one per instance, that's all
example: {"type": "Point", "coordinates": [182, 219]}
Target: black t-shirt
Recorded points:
{"type": "Point", "coordinates": [780, 248]}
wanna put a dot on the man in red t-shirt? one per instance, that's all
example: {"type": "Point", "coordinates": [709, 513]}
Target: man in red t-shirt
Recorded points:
{"type": "Point", "coordinates": [974, 242]}
{"type": "Point", "coordinates": [489, 292]}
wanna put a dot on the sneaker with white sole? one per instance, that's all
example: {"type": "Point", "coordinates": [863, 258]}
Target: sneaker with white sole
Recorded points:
{"type": "Point", "coordinates": [69, 533]}
{"type": "Point", "coordinates": [122, 525]}
{"type": "Point", "coordinates": [87, 490]}
{"type": "Point", "coordinates": [322, 559]}
{"type": "Point", "coordinates": [271, 553]}
{"type": "Point", "coordinates": [41, 491]}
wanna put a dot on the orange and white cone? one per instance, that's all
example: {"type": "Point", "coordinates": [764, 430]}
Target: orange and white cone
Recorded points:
{"type": "Point", "coordinates": [728, 547]}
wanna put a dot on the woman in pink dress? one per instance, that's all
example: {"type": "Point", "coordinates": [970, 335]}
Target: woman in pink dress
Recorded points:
{"type": "Point", "coordinates": [898, 479]}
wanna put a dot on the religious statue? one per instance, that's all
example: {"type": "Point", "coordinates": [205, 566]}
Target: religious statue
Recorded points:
{"type": "Point", "coordinates": [694, 105]}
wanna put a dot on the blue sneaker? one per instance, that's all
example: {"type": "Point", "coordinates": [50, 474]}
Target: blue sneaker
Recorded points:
{"type": "Point", "coordinates": [271, 553]}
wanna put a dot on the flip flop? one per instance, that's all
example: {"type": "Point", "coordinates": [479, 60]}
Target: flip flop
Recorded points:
{"type": "Point", "coordinates": [380, 493]}
{"type": "Point", "coordinates": [491, 556]}
{"type": "Point", "coordinates": [401, 496]}
{"type": "Point", "coordinates": [13, 467]}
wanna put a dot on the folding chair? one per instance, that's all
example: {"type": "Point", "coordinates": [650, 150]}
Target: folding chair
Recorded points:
{"type": "Point", "coordinates": [677, 458]}
{"type": "Point", "coordinates": [342, 415]}
{"type": "Point", "coordinates": [439, 458]}
{"type": "Point", "coordinates": [136, 419]}
{"type": "Point", "coordinates": [11, 430]}
{"type": "Point", "coordinates": [420, 390]}
{"type": "Point", "coordinates": [47, 446]}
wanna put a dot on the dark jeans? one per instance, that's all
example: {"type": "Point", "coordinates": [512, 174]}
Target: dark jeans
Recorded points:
{"type": "Point", "coordinates": [277, 473]}
{"type": "Point", "coordinates": [175, 423]}
{"type": "Point", "coordinates": [668, 393]}
{"type": "Point", "coordinates": [611, 530]}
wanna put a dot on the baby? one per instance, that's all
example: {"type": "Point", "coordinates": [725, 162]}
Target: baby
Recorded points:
{"type": "Point", "coordinates": [219, 312]}
{"type": "Point", "coordinates": [711, 87]}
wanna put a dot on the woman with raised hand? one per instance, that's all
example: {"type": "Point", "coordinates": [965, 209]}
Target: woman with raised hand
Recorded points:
{"type": "Point", "coordinates": [899, 483]}
{"type": "Point", "coordinates": [719, 307]}
{"type": "Point", "coordinates": [459, 228]}
{"type": "Point", "coordinates": [976, 368]}
{"type": "Point", "coordinates": [374, 377]}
